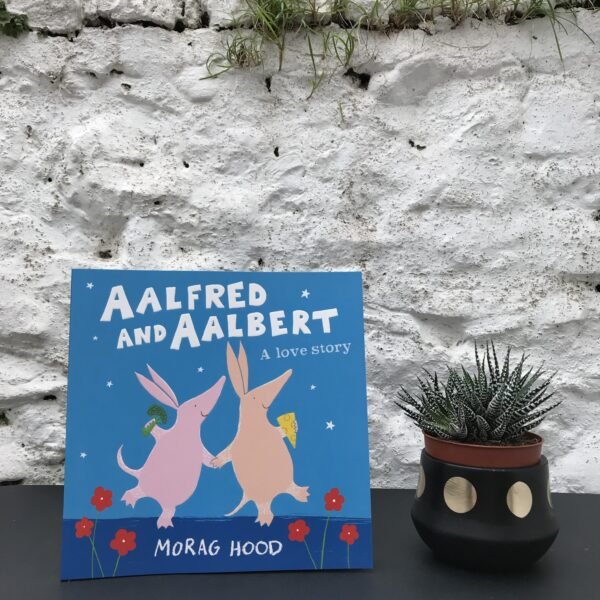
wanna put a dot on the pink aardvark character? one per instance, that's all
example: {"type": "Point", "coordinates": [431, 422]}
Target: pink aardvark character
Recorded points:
{"type": "Point", "coordinates": [171, 472]}
{"type": "Point", "coordinates": [261, 460]}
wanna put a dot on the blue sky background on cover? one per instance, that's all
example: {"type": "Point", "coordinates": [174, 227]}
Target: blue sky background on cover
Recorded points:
{"type": "Point", "coordinates": [107, 406]}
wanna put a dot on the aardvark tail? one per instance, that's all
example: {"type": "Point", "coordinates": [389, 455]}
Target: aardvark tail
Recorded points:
{"type": "Point", "coordinates": [123, 466]}
{"type": "Point", "coordinates": [243, 502]}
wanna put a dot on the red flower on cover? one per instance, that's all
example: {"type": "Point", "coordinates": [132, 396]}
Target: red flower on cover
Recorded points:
{"type": "Point", "coordinates": [83, 528]}
{"type": "Point", "coordinates": [298, 530]}
{"type": "Point", "coordinates": [123, 542]}
{"type": "Point", "coordinates": [334, 500]}
{"type": "Point", "coordinates": [102, 498]}
{"type": "Point", "coordinates": [349, 534]}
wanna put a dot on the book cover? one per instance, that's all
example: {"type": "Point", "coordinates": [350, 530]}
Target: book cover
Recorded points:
{"type": "Point", "coordinates": [216, 421]}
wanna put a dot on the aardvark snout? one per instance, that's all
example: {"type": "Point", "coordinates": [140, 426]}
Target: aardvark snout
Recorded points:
{"type": "Point", "coordinates": [206, 401]}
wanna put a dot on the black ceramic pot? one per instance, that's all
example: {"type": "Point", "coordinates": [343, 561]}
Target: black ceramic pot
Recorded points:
{"type": "Point", "coordinates": [484, 518]}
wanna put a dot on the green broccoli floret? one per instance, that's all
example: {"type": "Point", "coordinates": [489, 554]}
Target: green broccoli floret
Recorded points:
{"type": "Point", "coordinates": [159, 416]}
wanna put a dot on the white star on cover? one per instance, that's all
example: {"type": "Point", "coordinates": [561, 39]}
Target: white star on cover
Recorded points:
{"type": "Point", "coordinates": [305, 293]}
{"type": "Point", "coordinates": [109, 384]}
{"type": "Point", "coordinates": [313, 387]}
{"type": "Point", "coordinates": [82, 454]}
{"type": "Point", "coordinates": [95, 338]}
{"type": "Point", "coordinates": [330, 425]}
{"type": "Point", "coordinates": [89, 285]}
{"type": "Point", "coordinates": [200, 369]}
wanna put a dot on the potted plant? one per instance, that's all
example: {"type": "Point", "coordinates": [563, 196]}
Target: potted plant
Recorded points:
{"type": "Point", "coordinates": [483, 497]}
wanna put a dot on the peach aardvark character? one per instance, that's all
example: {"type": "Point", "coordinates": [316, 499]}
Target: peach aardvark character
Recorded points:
{"type": "Point", "coordinates": [261, 460]}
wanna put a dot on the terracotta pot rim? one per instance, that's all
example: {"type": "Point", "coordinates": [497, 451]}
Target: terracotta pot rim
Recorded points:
{"type": "Point", "coordinates": [498, 456]}
{"type": "Point", "coordinates": [538, 440]}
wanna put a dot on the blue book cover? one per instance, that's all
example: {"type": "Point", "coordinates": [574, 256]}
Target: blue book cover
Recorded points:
{"type": "Point", "coordinates": [216, 421]}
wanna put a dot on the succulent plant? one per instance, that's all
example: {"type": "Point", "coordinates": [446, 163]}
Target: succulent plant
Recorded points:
{"type": "Point", "coordinates": [492, 405]}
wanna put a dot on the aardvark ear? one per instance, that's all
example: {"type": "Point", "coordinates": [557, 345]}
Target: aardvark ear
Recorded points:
{"type": "Point", "coordinates": [235, 372]}
{"type": "Point", "coordinates": [243, 362]}
{"type": "Point", "coordinates": [163, 393]}
{"type": "Point", "coordinates": [162, 384]}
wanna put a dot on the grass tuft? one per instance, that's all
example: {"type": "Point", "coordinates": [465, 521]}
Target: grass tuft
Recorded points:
{"type": "Point", "coordinates": [242, 50]}
{"type": "Point", "coordinates": [264, 24]}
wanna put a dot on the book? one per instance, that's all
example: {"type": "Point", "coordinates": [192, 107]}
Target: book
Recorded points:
{"type": "Point", "coordinates": [216, 422]}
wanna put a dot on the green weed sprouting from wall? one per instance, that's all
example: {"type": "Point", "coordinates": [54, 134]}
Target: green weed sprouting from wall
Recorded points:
{"type": "Point", "coordinates": [12, 24]}
{"type": "Point", "coordinates": [264, 25]}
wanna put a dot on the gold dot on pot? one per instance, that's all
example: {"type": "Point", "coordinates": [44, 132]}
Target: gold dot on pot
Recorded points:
{"type": "Point", "coordinates": [519, 499]}
{"type": "Point", "coordinates": [460, 495]}
{"type": "Point", "coordinates": [421, 484]}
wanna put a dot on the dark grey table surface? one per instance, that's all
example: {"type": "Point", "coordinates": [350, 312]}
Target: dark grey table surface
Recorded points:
{"type": "Point", "coordinates": [30, 520]}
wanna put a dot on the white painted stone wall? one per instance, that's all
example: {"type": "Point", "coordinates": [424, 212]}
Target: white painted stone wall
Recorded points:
{"type": "Point", "coordinates": [464, 182]}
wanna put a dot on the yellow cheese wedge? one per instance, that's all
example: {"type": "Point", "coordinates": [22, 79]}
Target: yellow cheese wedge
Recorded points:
{"type": "Point", "coordinates": [287, 422]}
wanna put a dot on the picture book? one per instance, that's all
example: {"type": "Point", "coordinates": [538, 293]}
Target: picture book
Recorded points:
{"type": "Point", "coordinates": [216, 421]}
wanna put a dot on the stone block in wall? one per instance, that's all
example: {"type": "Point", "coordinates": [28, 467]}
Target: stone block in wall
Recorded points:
{"type": "Point", "coordinates": [193, 14]}
{"type": "Point", "coordinates": [58, 16]}
{"type": "Point", "coordinates": [164, 14]}
{"type": "Point", "coordinates": [222, 12]}
{"type": "Point", "coordinates": [372, 13]}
